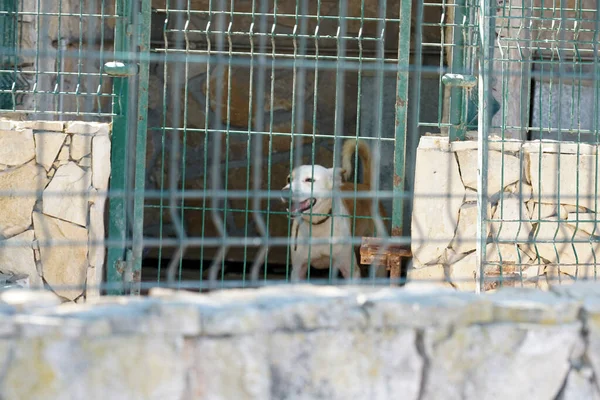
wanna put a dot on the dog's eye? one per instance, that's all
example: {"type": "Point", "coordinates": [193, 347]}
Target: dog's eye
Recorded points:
{"type": "Point", "coordinates": [288, 179]}
{"type": "Point", "coordinates": [309, 180]}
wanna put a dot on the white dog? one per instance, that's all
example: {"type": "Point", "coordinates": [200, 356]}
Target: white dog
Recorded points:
{"type": "Point", "coordinates": [328, 210]}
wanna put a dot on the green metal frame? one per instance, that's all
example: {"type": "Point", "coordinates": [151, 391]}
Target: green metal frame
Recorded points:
{"type": "Point", "coordinates": [124, 260]}
{"type": "Point", "coordinates": [8, 43]}
{"type": "Point", "coordinates": [126, 228]}
{"type": "Point", "coordinates": [401, 117]}
{"type": "Point", "coordinates": [486, 27]}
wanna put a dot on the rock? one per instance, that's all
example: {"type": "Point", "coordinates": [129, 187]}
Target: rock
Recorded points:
{"type": "Point", "coordinates": [542, 211]}
{"type": "Point", "coordinates": [470, 195]}
{"type": "Point", "coordinates": [101, 162]}
{"type": "Point", "coordinates": [574, 209]}
{"type": "Point", "coordinates": [47, 146]}
{"type": "Point", "coordinates": [434, 142]}
{"type": "Point", "coordinates": [299, 308]}
{"type": "Point", "coordinates": [505, 145]}
{"type": "Point", "coordinates": [569, 273]}
{"type": "Point", "coordinates": [87, 128]}
{"type": "Point", "coordinates": [592, 308]}
{"type": "Point", "coordinates": [85, 162]}
{"type": "Point", "coordinates": [16, 257]}
{"type": "Point", "coordinates": [106, 366]}
{"type": "Point", "coordinates": [16, 208]}
{"type": "Point", "coordinates": [8, 124]}
{"type": "Point", "coordinates": [451, 256]}
{"type": "Point", "coordinates": [463, 273]}
{"type": "Point", "coordinates": [16, 147]}
{"type": "Point", "coordinates": [580, 385]}
{"type": "Point", "coordinates": [93, 283]}
{"type": "Point", "coordinates": [557, 147]}
{"type": "Point", "coordinates": [229, 369]}
{"type": "Point", "coordinates": [463, 145]}
{"type": "Point", "coordinates": [521, 190]}
{"type": "Point", "coordinates": [576, 179]}
{"type": "Point", "coordinates": [64, 198]}
{"type": "Point", "coordinates": [62, 265]}
{"type": "Point", "coordinates": [438, 197]}
{"type": "Point", "coordinates": [14, 281]}
{"type": "Point", "coordinates": [465, 238]}
{"type": "Point", "coordinates": [557, 242]}
{"type": "Point", "coordinates": [585, 222]}
{"type": "Point", "coordinates": [81, 145]}
{"type": "Point", "coordinates": [429, 274]}
{"type": "Point", "coordinates": [29, 300]}
{"type": "Point", "coordinates": [511, 253]}
{"type": "Point", "coordinates": [514, 222]}
{"type": "Point", "coordinates": [385, 370]}
{"type": "Point", "coordinates": [55, 126]}
{"type": "Point", "coordinates": [96, 234]}
{"type": "Point", "coordinates": [533, 271]}
{"type": "Point", "coordinates": [64, 154]}
{"type": "Point", "coordinates": [462, 364]}
{"type": "Point", "coordinates": [498, 163]}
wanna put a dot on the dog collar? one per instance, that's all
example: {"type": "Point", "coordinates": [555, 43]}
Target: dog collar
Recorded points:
{"type": "Point", "coordinates": [324, 219]}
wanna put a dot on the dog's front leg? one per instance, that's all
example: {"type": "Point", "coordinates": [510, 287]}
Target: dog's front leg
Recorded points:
{"type": "Point", "coordinates": [299, 267]}
{"type": "Point", "coordinates": [344, 262]}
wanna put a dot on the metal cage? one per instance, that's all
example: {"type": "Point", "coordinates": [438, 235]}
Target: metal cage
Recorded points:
{"type": "Point", "coordinates": [214, 103]}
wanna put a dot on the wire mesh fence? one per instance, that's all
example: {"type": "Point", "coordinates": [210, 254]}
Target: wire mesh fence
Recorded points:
{"type": "Point", "coordinates": [544, 75]}
{"type": "Point", "coordinates": [282, 84]}
{"type": "Point", "coordinates": [261, 142]}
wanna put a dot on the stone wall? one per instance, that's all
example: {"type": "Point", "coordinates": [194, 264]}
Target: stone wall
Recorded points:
{"type": "Point", "coordinates": [54, 179]}
{"type": "Point", "coordinates": [304, 342]}
{"type": "Point", "coordinates": [541, 216]}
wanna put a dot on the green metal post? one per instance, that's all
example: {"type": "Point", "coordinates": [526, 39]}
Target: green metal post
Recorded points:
{"type": "Point", "coordinates": [123, 264]}
{"type": "Point", "coordinates": [143, 44]}
{"type": "Point", "coordinates": [117, 226]}
{"type": "Point", "coordinates": [487, 32]}
{"type": "Point", "coordinates": [8, 43]}
{"type": "Point", "coordinates": [457, 94]}
{"type": "Point", "coordinates": [401, 116]}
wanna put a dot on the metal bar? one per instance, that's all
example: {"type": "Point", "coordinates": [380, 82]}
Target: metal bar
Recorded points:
{"type": "Point", "coordinates": [257, 162]}
{"type": "Point", "coordinates": [401, 117]}
{"type": "Point", "coordinates": [337, 128]}
{"type": "Point", "coordinates": [487, 31]}
{"type": "Point", "coordinates": [143, 44]}
{"type": "Point", "coordinates": [176, 73]}
{"type": "Point", "coordinates": [117, 225]}
{"type": "Point", "coordinates": [457, 94]}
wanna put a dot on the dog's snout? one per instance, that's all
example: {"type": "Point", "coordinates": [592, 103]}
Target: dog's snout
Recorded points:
{"type": "Point", "coordinates": [285, 193]}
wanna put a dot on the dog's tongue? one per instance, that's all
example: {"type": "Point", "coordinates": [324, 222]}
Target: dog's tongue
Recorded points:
{"type": "Point", "coordinates": [301, 206]}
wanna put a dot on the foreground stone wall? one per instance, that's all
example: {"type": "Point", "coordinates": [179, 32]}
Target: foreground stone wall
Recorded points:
{"type": "Point", "coordinates": [541, 212]}
{"type": "Point", "coordinates": [53, 179]}
{"type": "Point", "coordinates": [304, 342]}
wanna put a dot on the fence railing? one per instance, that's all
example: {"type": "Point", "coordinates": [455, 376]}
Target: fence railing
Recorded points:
{"type": "Point", "coordinates": [215, 105]}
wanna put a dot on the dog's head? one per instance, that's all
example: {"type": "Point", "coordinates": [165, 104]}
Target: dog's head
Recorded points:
{"type": "Point", "coordinates": [311, 189]}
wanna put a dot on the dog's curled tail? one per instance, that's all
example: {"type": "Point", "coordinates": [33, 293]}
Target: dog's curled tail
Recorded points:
{"type": "Point", "coordinates": [364, 154]}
